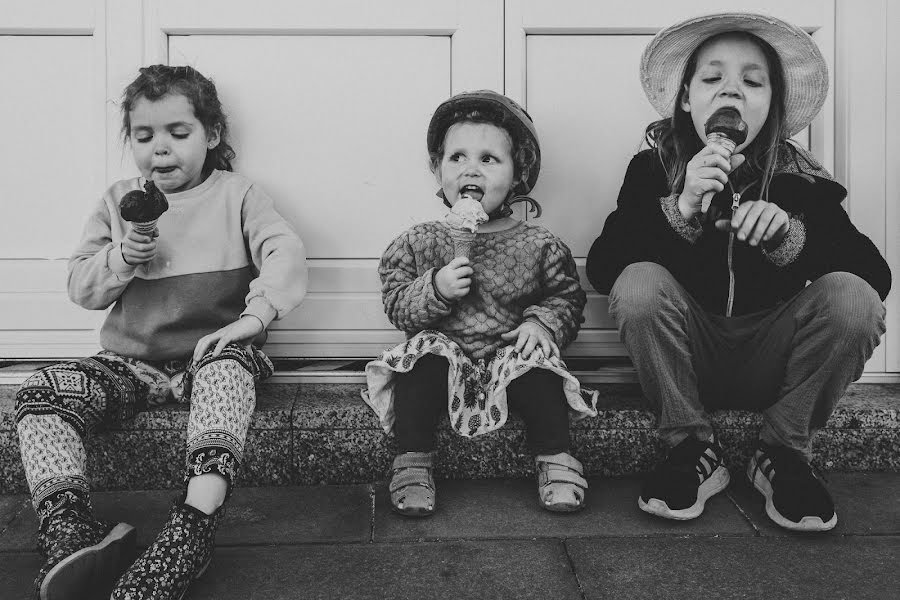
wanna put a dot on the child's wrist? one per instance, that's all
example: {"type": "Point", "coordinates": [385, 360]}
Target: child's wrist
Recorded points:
{"type": "Point", "coordinates": [116, 261]}
{"type": "Point", "coordinates": [437, 291]}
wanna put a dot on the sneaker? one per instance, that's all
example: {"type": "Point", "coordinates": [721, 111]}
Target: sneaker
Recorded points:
{"type": "Point", "coordinates": [690, 475]}
{"type": "Point", "coordinates": [179, 555]}
{"type": "Point", "coordinates": [796, 498]}
{"type": "Point", "coordinates": [83, 555]}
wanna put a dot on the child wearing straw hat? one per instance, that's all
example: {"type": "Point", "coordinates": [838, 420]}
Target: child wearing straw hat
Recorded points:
{"type": "Point", "coordinates": [485, 314]}
{"type": "Point", "coordinates": [707, 257]}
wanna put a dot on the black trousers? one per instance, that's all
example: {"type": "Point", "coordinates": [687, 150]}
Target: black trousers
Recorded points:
{"type": "Point", "coordinates": [420, 397]}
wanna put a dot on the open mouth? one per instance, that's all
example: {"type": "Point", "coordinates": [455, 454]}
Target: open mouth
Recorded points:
{"type": "Point", "coordinates": [472, 191]}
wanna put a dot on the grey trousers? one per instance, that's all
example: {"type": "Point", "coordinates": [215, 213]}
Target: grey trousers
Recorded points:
{"type": "Point", "coordinates": [792, 362]}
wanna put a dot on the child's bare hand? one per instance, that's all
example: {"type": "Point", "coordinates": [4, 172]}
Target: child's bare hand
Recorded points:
{"type": "Point", "coordinates": [242, 331]}
{"type": "Point", "coordinates": [529, 335]}
{"type": "Point", "coordinates": [706, 173]}
{"type": "Point", "coordinates": [757, 221]}
{"type": "Point", "coordinates": [454, 280]}
{"type": "Point", "coordinates": [138, 249]}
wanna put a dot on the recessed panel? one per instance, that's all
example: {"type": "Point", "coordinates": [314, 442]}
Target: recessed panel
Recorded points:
{"type": "Point", "coordinates": [50, 144]}
{"type": "Point", "coordinates": [333, 127]}
{"type": "Point", "coordinates": [586, 100]}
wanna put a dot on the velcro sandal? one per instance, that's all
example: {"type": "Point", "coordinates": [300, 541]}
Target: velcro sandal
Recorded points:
{"type": "Point", "coordinates": [561, 485]}
{"type": "Point", "coordinates": [412, 487]}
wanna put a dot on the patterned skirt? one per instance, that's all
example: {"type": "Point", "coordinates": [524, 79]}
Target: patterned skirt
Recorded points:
{"type": "Point", "coordinates": [476, 391]}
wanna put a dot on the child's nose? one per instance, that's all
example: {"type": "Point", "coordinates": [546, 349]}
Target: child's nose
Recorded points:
{"type": "Point", "coordinates": [730, 89]}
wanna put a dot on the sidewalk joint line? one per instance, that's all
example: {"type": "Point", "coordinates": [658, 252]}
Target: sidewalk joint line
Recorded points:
{"type": "Point", "coordinates": [744, 514]}
{"type": "Point", "coordinates": [565, 545]}
{"type": "Point", "coordinates": [372, 513]}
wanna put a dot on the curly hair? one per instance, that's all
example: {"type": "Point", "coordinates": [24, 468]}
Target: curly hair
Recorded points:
{"type": "Point", "coordinates": [677, 142]}
{"type": "Point", "coordinates": [524, 153]}
{"type": "Point", "coordinates": [157, 81]}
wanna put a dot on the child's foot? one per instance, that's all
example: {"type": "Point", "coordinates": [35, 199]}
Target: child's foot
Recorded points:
{"type": "Point", "coordinates": [412, 488]}
{"type": "Point", "coordinates": [83, 555]}
{"type": "Point", "coordinates": [690, 475]}
{"type": "Point", "coordinates": [178, 556]}
{"type": "Point", "coordinates": [796, 498]}
{"type": "Point", "coordinates": [561, 485]}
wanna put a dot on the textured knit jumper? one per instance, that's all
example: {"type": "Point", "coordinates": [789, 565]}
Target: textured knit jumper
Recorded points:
{"type": "Point", "coordinates": [522, 273]}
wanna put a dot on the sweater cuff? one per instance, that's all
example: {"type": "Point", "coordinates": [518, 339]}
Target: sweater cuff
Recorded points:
{"type": "Point", "coordinates": [790, 247]}
{"type": "Point", "coordinates": [116, 263]}
{"type": "Point", "coordinates": [689, 229]}
{"type": "Point", "coordinates": [260, 308]}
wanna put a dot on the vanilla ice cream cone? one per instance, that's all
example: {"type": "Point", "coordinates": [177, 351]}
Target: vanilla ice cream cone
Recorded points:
{"type": "Point", "coordinates": [462, 242]}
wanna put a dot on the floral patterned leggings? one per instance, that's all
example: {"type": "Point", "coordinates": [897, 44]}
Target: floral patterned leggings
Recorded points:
{"type": "Point", "coordinates": [60, 404]}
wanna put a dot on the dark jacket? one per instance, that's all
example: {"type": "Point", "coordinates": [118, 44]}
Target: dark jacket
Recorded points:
{"type": "Point", "coordinates": [644, 228]}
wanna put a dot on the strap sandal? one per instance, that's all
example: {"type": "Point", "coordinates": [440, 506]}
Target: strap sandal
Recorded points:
{"type": "Point", "coordinates": [561, 485]}
{"type": "Point", "coordinates": [412, 487]}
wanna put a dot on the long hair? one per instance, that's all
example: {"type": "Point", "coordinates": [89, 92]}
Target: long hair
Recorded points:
{"type": "Point", "coordinates": [677, 142]}
{"type": "Point", "coordinates": [156, 81]}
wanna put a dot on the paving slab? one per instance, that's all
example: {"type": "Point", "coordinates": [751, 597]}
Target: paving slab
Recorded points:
{"type": "Point", "coordinates": [17, 572]}
{"type": "Point", "coordinates": [458, 570]}
{"type": "Point", "coordinates": [275, 515]}
{"type": "Point", "coordinates": [491, 509]}
{"type": "Point", "coordinates": [10, 506]}
{"type": "Point", "coordinates": [833, 567]}
{"type": "Point", "coordinates": [866, 504]}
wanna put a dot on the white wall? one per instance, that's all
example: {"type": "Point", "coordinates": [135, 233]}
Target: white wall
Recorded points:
{"type": "Point", "coordinates": [329, 104]}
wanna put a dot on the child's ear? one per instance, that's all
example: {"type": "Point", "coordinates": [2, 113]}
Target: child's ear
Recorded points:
{"type": "Point", "coordinates": [213, 137]}
{"type": "Point", "coordinates": [686, 100]}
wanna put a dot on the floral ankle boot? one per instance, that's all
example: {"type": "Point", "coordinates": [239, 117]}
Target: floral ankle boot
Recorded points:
{"type": "Point", "coordinates": [178, 556]}
{"type": "Point", "coordinates": [83, 555]}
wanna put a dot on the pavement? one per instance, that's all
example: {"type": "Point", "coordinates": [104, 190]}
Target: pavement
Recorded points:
{"type": "Point", "coordinates": [489, 539]}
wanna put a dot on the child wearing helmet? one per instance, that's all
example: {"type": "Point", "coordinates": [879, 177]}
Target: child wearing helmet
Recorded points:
{"type": "Point", "coordinates": [486, 301]}
{"type": "Point", "coordinates": [707, 257]}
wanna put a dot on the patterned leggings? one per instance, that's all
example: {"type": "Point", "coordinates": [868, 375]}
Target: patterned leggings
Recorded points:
{"type": "Point", "coordinates": [59, 405]}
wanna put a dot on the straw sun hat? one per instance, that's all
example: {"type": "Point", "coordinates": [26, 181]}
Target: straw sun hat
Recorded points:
{"type": "Point", "coordinates": [805, 72]}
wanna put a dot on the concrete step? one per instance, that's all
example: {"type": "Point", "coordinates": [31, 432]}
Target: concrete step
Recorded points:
{"type": "Point", "coordinates": [322, 433]}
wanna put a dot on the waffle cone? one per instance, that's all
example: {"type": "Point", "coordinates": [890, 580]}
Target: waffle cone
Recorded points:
{"type": "Point", "coordinates": [462, 242]}
{"type": "Point", "coordinates": [145, 228]}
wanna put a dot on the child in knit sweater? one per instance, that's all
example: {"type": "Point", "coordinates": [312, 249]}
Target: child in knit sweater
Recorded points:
{"type": "Point", "coordinates": [484, 330]}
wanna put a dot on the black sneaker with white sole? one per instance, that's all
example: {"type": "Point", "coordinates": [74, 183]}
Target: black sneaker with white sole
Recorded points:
{"type": "Point", "coordinates": [690, 475]}
{"type": "Point", "coordinates": [796, 498]}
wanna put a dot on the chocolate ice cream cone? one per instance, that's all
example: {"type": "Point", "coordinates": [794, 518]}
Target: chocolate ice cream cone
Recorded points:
{"type": "Point", "coordinates": [145, 228]}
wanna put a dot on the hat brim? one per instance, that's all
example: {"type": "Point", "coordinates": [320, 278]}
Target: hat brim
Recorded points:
{"type": "Point", "coordinates": [805, 72]}
{"type": "Point", "coordinates": [441, 121]}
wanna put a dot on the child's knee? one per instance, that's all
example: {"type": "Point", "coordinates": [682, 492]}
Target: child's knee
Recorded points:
{"type": "Point", "coordinates": [851, 305]}
{"type": "Point", "coordinates": [640, 292]}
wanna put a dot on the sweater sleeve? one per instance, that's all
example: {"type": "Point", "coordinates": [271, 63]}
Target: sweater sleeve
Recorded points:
{"type": "Point", "coordinates": [410, 300]}
{"type": "Point", "coordinates": [639, 229]}
{"type": "Point", "coordinates": [97, 272]}
{"type": "Point", "coordinates": [278, 256]}
{"type": "Point", "coordinates": [561, 309]}
{"type": "Point", "coordinates": [834, 244]}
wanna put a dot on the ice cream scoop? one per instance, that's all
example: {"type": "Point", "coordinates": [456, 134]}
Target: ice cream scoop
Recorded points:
{"type": "Point", "coordinates": [724, 128]}
{"type": "Point", "coordinates": [143, 208]}
{"type": "Point", "coordinates": [463, 220]}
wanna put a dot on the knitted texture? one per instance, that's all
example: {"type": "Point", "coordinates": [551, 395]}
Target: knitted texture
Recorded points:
{"type": "Point", "coordinates": [522, 273]}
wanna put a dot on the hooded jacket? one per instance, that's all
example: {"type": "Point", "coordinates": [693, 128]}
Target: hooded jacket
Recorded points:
{"type": "Point", "coordinates": [726, 276]}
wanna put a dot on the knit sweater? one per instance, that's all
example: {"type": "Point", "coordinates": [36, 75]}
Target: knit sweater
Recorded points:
{"type": "Point", "coordinates": [222, 251]}
{"type": "Point", "coordinates": [522, 273]}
